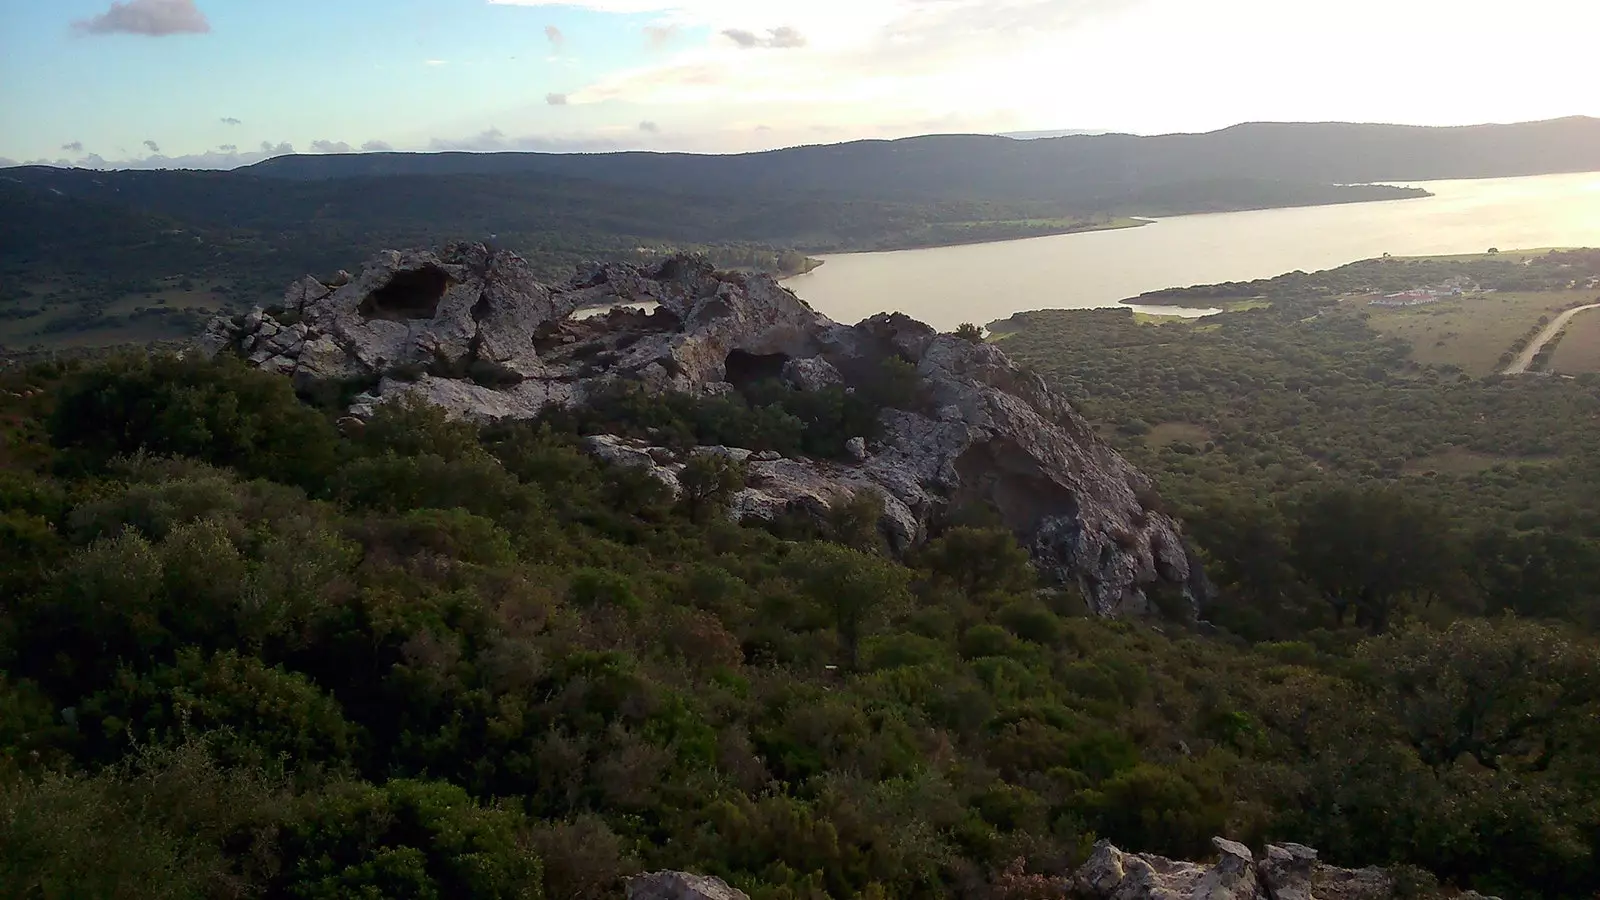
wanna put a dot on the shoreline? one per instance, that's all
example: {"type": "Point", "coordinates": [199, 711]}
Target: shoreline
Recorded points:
{"type": "Point", "coordinates": [1120, 223]}
{"type": "Point", "coordinates": [1163, 297]}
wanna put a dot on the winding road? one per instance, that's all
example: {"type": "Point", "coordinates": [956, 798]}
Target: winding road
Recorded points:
{"type": "Point", "coordinates": [1520, 365]}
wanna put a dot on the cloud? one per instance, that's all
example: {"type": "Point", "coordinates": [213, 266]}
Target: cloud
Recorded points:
{"type": "Point", "coordinates": [74, 147]}
{"type": "Point", "coordinates": [229, 120]}
{"type": "Point", "coordinates": [151, 18]}
{"type": "Point", "coordinates": [7, 162]}
{"type": "Point", "coordinates": [922, 58]}
{"type": "Point", "coordinates": [650, 127]}
{"type": "Point", "coordinates": [554, 35]}
{"type": "Point", "coordinates": [436, 62]}
{"type": "Point", "coordinates": [555, 99]}
{"type": "Point", "coordinates": [154, 147]}
{"type": "Point", "coordinates": [494, 140]}
{"type": "Point", "coordinates": [661, 35]}
{"type": "Point", "coordinates": [781, 38]}
{"type": "Point", "coordinates": [377, 147]}
{"type": "Point", "coordinates": [331, 147]}
{"type": "Point", "coordinates": [226, 156]}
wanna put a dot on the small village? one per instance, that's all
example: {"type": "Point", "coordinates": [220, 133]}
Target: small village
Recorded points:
{"type": "Point", "coordinates": [1455, 287]}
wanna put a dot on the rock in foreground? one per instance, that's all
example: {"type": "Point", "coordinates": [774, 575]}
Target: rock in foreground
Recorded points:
{"type": "Point", "coordinates": [470, 330]}
{"type": "Point", "coordinates": [1287, 872]}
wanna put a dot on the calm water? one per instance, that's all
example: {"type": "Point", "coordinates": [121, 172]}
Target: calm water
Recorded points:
{"type": "Point", "coordinates": [980, 283]}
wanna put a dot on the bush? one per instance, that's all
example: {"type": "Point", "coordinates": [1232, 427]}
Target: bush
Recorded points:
{"type": "Point", "coordinates": [223, 413]}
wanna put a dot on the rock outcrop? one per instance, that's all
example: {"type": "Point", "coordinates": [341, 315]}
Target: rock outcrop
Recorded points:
{"type": "Point", "coordinates": [681, 886]}
{"type": "Point", "coordinates": [469, 329]}
{"type": "Point", "coordinates": [1287, 872]}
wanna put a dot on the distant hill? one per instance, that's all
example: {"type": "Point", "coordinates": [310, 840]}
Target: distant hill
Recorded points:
{"type": "Point", "coordinates": [89, 254]}
{"type": "Point", "coordinates": [1087, 170]}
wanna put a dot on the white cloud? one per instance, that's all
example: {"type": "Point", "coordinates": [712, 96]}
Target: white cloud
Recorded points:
{"type": "Point", "coordinates": [555, 99]}
{"type": "Point", "coordinates": [436, 62]}
{"type": "Point", "coordinates": [151, 145]}
{"type": "Point", "coordinates": [377, 147]}
{"type": "Point", "coordinates": [783, 37]}
{"type": "Point", "coordinates": [225, 157]}
{"type": "Point", "coordinates": [880, 57]}
{"type": "Point", "coordinates": [554, 36]}
{"type": "Point", "coordinates": [151, 18]}
{"type": "Point", "coordinates": [331, 147]}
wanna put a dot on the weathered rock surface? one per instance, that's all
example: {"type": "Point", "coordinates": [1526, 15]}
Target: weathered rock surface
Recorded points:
{"type": "Point", "coordinates": [1289, 872]}
{"type": "Point", "coordinates": [469, 329]}
{"type": "Point", "coordinates": [681, 886]}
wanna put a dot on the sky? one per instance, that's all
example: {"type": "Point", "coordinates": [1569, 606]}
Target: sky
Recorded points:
{"type": "Point", "coordinates": [220, 83]}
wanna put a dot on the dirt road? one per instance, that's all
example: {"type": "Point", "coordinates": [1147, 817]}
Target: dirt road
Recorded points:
{"type": "Point", "coordinates": [1525, 358]}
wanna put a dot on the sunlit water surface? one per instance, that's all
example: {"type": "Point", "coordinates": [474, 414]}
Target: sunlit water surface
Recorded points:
{"type": "Point", "coordinates": [980, 283]}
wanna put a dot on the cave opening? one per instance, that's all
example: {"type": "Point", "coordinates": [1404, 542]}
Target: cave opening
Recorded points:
{"type": "Point", "coordinates": [744, 369]}
{"type": "Point", "coordinates": [412, 294]}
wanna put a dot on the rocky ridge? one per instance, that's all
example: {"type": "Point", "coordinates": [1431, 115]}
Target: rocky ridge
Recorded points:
{"type": "Point", "coordinates": [470, 330]}
{"type": "Point", "coordinates": [1287, 872]}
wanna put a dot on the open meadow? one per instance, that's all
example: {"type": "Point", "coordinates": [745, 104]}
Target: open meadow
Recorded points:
{"type": "Point", "coordinates": [1579, 349]}
{"type": "Point", "coordinates": [1471, 332]}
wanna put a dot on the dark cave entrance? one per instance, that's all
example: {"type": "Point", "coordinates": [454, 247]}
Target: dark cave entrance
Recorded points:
{"type": "Point", "coordinates": [744, 369]}
{"type": "Point", "coordinates": [413, 294]}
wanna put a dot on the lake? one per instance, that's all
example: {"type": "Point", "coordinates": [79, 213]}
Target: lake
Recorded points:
{"type": "Point", "coordinates": [980, 283]}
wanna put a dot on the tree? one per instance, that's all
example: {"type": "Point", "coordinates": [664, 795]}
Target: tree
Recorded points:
{"type": "Point", "coordinates": [1508, 693]}
{"type": "Point", "coordinates": [980, 561]}
{"type": "Point", "coordinates": [1542, 574]}
{"type": "Point", "coordinates": [969, 332]}
{"type": "Point", "coordinates": [854, 588]}
{"type": "Point", "coordinates": [709, 480]}
{"type": "Point", "coordinates": [1368, 550]}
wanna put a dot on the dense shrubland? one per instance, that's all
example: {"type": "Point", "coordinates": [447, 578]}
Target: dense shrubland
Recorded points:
{"type": "Point", "coordinates": [243, 653]}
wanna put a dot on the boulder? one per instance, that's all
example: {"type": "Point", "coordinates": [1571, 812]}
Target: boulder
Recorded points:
{"type": "Point", "coordinates": [1288, 870]}
{"type": "Point", "coordinates": [681, 886]}
{"type": "Point", "coordinates": [470, 330]}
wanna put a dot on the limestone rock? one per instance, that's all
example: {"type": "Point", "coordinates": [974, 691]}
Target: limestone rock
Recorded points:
{"type": "Point", "coordinates": [1329, 883]}
{"type": "Point", "coordinates": [470, 330]}
{"type": "Point", "coordinates": [1288, 870]}
{"type": "Point", "coordinates": [1111, 874]}
{"type": "Point", "coordinates": [681, 886]}
{"type": "Point", "coordinates": [811, 374]}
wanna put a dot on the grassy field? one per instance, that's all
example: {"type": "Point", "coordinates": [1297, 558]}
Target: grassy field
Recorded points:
{"type": "Point", "coordinates": [73, 316]}
{"type": "Point", "coordinates": [1177, 432]}
{"type": "Point", "coordinates": [1457, 461]}
{"type": "Point", "coordinates": [1579, 350]}
{"type": "Point", "coordinates": [1470, 332]}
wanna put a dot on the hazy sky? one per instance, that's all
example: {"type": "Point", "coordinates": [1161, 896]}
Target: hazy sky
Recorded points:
{"type": "Point", "coordinates": [220, 82]}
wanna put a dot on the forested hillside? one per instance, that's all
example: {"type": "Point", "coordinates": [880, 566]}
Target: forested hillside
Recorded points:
{"type": "Point", "coordinates": [1102, 169]}
{"type": "Point", "coordinates": [244, 652]}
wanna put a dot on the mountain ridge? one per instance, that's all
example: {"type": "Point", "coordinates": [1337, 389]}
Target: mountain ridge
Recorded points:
{"type": "Point", "coordinates": [1063, 168]}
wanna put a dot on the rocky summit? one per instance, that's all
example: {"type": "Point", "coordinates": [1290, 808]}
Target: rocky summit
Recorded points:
{"type": "Point", "coordinates": [469, 329]}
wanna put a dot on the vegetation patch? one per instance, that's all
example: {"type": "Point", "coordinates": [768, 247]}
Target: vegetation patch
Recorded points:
{"type": "Point", "coordinates": [1579, 350]}
{"type": "Point", "coordinates": [1472, 333]}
